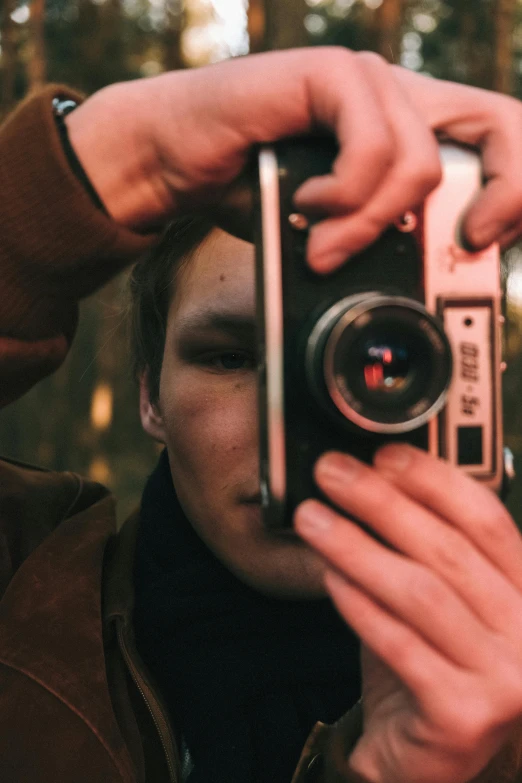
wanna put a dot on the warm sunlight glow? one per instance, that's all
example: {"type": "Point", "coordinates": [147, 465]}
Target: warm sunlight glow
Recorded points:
{"type": "Point", "coordinates": [101, 407]}
{"type": "Point", "coordinates": [215, 30]}
{"type": "Point", "coordinates": [99, 470]}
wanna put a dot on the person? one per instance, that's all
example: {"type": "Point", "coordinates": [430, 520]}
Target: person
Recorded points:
{"type": "Point", "coordinates": [435, 598]}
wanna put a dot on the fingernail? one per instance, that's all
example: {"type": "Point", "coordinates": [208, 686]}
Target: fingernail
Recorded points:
{"type": "Point", "coordinates": [395, 458]}
{"type": "Point", "coordinates": [340, 468]}
{"type": "Point", "coordinates": [313, 518]}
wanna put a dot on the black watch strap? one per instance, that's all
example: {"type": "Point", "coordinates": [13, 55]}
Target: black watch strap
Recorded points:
{"type": "Point", "coordinates": [61, 108]}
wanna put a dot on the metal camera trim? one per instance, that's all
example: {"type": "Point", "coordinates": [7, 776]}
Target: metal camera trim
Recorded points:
{"type": "Point", "coordinates": [274, 483]}
{"type": "Point", "coordinates": [339, 317]}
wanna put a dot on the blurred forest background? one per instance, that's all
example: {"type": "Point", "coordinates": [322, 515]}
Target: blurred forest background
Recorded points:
{"type": "Point", "coordinates": [85, 418]}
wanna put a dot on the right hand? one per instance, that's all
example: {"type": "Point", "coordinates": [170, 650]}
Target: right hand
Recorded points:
{"type": "Point", "coordinates": [432, 585]}
{"type": "Point", "coordinates": [156, 148]}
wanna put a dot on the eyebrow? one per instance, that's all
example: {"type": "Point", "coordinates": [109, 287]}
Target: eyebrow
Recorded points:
{"type": "Point", "coordinates": [226, 321]}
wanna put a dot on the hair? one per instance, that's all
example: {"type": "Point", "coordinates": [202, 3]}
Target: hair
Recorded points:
{"type": "Point", "coordinates": [151, 284]}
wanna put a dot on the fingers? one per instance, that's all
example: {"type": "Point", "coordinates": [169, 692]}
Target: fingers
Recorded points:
{"type": "Point", "coordinates": [470, 507]}
{"type": "Point", "coordinates": [367, 143]}
{"type": "Point", "coordinates": [383, 117]}
{"type": "Point", "coordinates": [388, 163]}
{"type": "Point", "coordinates": [411, 108]}
{"type": "Point", "coordinates": [485, 574]}
{"type": "Point", "coordinates": [405, 589]}
{"type": "Point", "coordinates": [465, 677]}
{"type": "Point", "coordinates": [428, 625]}
{"type": "Point", "coordinates": [496, 214]}
{"type": "Point", "coordinates": [493, 124]}
{"type": "Point", "coordinates": [409, 656]}
{"type": "Point", "coordinates": [404, 171]}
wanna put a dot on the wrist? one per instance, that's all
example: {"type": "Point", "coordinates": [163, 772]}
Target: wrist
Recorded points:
{"type": "Point", "coordinates": [61, 108]}
{"type": "Point", "coordinates": [118, 159]}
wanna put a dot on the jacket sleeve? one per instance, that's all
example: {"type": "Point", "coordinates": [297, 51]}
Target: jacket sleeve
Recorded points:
{"type": "Point", "coordinates": [56, 246]}
{"type": "Point", "coordinates": [324, 757]}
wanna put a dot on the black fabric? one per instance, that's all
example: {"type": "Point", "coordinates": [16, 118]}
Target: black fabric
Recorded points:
{"type": "Point", "coordinates": [245, 677]}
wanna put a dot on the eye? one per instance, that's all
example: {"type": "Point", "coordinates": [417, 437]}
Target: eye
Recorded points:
{"type": "Point", "coordinates": [232, 360]}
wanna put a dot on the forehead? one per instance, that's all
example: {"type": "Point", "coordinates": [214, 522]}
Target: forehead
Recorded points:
{"type": "Point", "coordinates": [219, 275]}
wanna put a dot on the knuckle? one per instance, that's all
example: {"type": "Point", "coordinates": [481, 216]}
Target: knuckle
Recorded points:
{"type": "Point", "coordinates": [386, 151]}
{"type": "Point", "coordinates": [366, 231]}
{"type": "Point", "coordinates": [376, 223]}
{"type": "Point", "coordinates": [346, 197]}
{"type": "Point", "coordinates": [373, 60]}
{"type": "Point", "coordinates": [420, 176]}
{"type": "Point", "coordinates": [375, 155]}
{"type": "Point", "coordinates": [433, 174]}
{"type": "Point", "coordinates": [337, 56]}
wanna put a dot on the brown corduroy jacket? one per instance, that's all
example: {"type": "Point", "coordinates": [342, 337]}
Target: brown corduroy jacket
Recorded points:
{"type": "Point", "coordinates": [76, 703]}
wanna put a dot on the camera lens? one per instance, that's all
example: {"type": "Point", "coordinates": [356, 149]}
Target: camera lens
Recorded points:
{"type": "Point", "coordinates": [384, 362]}
{"type": "Point", "coordinates": [385, 365]}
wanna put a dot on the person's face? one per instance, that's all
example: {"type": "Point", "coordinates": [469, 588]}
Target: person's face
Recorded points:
{"type": "Point", "coordinates": [207, 418]}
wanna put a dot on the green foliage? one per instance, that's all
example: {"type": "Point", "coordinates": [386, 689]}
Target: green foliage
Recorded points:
{"type": "Point", "coordinates": [92, 43]}
{"type": "Point", "coordinates": [450, 40]}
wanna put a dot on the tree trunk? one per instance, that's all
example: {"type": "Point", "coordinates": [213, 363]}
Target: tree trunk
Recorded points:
{"type": "Point", "coordinates": [504, 19]}
{"type": "Point", "coordinates": [389, 19]}
{"type": "Point", "coordinates": [8, 38]}
{"type": "Point", "coordinates": [257, 26]}
{"type": "Point", "coordinates": [36, 65]}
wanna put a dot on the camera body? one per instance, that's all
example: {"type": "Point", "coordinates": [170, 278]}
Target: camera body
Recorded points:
{"type": "Point", "coordinates": [402, 343]}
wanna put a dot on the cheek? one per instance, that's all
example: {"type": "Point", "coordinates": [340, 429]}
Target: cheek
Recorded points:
{"type": "Point", "coordinates": [210, 425]}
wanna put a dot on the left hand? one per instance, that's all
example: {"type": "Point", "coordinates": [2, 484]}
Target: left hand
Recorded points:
{"type": "Point", "coordinates": [436, 599]}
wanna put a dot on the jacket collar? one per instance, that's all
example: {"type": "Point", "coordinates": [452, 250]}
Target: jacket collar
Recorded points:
{"type": "Point", "coordinates": [118, 586]}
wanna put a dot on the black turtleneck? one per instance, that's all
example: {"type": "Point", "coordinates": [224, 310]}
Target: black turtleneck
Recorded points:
{"type": "Point", "coordinates": [244, 676]}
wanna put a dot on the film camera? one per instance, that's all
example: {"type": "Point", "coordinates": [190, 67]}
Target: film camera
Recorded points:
{"type": "Point", "coordinates": [402, 343]}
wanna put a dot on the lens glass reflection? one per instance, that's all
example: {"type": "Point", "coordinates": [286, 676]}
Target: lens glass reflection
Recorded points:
{"type": "Point", "coordinates": [387, 362]}
{"type": "Point", "coordinates": [385, 366]}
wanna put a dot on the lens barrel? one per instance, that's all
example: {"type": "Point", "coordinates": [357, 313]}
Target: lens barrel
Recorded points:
{"type": "Point", "coordinates": [384, 362]}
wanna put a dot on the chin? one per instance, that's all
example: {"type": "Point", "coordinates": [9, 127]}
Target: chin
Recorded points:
{"type": "Point", "coordinates": [283, 567]}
